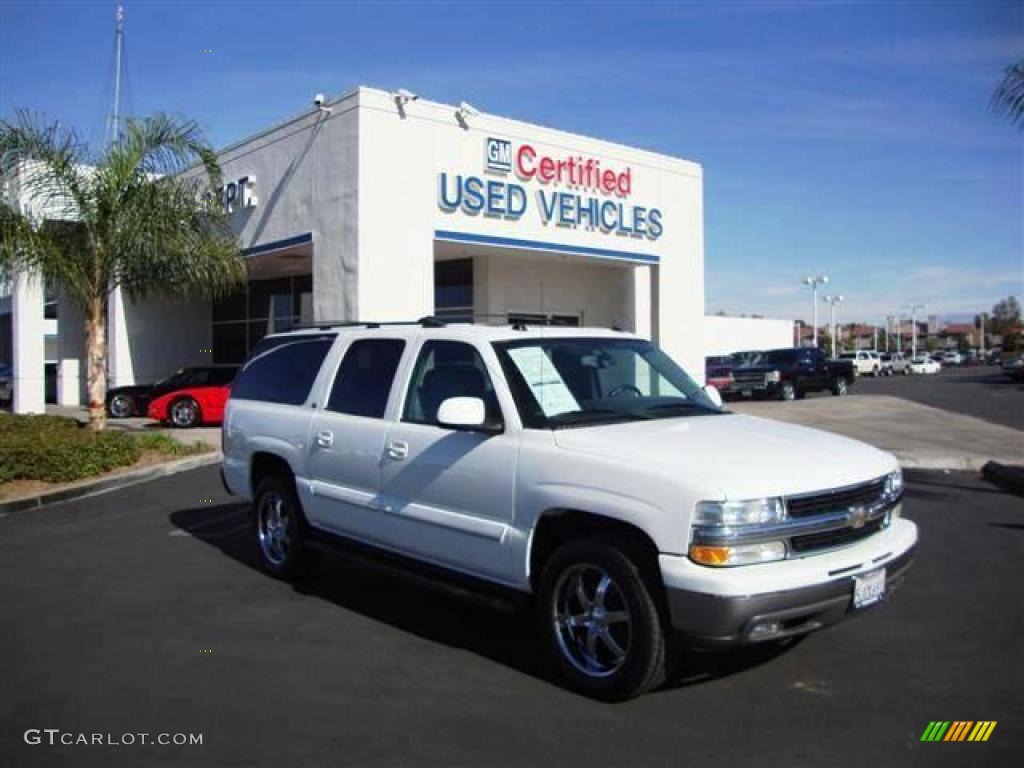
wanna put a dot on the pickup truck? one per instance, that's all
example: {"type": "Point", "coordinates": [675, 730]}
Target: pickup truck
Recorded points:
{"type": "Point", "coordinates": [579, 470]}
{"type": "Point", "coordinates": [789, 374]}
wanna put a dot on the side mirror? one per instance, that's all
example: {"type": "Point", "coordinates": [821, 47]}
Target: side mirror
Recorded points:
{"type": "Point", "coordinates": [467, 413]}
{"type": "Point", "coordinates": [713, 394]}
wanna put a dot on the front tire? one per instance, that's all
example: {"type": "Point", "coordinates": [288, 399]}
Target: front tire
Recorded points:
{"type": "Point", "coordinates": [184, 413]}
{"type": "Point", "coordinates": [281, 529]}
{"type": "Point", "coordinates": [787, 391]}
{"type": "Point", "coordinates": [600, 623]}
{"type": "Point", "coordinates": [840, 386]}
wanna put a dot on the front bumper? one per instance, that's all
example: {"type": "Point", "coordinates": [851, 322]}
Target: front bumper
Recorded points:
{"type": "Point", "coordinates": [801, 601]}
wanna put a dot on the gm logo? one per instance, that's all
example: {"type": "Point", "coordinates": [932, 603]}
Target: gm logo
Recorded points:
{"type": "Point", "coordinates": [498, 154]}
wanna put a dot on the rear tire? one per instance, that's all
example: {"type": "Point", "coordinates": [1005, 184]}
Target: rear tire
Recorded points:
{"type": "Point", "coordinates": [840, 386]}
{"type": "Point", "coordinates": [787, 391]}
{"type": "Point", "coordinates": [280, 529]}
{"type": "Point", "coordinates": [184, 413]}
{"type": "Point", "coordinates": [600, 623]}
{"type": "Point", "coordinates": [121, 407]}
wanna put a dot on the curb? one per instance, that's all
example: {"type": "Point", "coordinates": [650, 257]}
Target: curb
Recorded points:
{"type": "Point", "coordinates": [106, 484]}
{"type": "Point", "coordinates": [953, 463]}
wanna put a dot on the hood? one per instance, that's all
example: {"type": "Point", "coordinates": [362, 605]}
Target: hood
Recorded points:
{"type": "Point", "coordinates": [744, 456]}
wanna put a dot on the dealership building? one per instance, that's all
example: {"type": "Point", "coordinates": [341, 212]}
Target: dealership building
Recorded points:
{"type": "Point", "coordinates": [380, 206]}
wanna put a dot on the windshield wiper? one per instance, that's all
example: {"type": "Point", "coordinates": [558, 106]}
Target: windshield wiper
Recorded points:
{"type": "Point", "coordinates": [685, 406]}
{"type": "Point", "coordinates": [594, 416]}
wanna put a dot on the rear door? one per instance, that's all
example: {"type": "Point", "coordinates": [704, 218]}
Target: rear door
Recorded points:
{"type": "Point", "coordinates": [449, 494]}
{"type": "Point", "coordinates": [346, 440]}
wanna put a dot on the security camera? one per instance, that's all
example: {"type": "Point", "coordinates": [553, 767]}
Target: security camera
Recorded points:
{"type": "Point", "coordinates": [318, 102]}
{"type": "Point", "coordinates": [403, 96]}
{"type": "Point", "coordinates": [468, 109]}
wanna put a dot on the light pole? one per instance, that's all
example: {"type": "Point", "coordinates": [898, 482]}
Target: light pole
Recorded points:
{"type": "Point", "coordinates": [913, 327]}
{"type": "Point", "coordinates": [814, 281]}
{"type": "Point", "coordinates": [832, 301]}
{"type": "Point", "coordinates": [981, 346]}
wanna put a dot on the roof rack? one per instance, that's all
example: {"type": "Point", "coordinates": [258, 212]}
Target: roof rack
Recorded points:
{"type": "Point", "coordinates": [428, 321]}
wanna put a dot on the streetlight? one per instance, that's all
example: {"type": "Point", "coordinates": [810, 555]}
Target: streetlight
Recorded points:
{"type": "Point", "coordinates": [814, 281]}
{"type": "Point", "coordinates": [832, 301]}
{"type": "Point", "coordinates": [913, 326]}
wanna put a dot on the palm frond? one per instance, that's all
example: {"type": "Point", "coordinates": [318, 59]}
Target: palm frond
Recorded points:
{"type": "Point", "coordinates": [1009, 96]}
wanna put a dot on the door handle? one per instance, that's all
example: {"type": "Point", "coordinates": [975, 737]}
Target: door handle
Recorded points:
{"type": "Point", "coordinates": [398, 450]}
{"type": "Point", "coordinates": [325, 438]}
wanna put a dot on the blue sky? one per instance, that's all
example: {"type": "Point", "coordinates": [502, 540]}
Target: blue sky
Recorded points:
{"type": "Point", "coordinates": [846, 137]}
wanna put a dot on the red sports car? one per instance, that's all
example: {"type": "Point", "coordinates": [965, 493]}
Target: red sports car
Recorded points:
{"type": "Point", "coordinates": [191, 406]}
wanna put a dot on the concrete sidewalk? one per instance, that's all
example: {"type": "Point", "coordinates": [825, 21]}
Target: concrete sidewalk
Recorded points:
{"type": "Point", "coordinates": [918, 435]}
{"type": "Point", "coordinates": [208, 435]}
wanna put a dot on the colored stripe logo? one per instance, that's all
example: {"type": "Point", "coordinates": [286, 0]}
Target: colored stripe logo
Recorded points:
{"type": "Point", "coordinates": [958, 730]}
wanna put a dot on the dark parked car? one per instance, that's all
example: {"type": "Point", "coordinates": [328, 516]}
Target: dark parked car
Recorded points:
{"type": "Point", "coordinates": [134, 401]}
{"type": "Point", "coordinates": [790, 374]}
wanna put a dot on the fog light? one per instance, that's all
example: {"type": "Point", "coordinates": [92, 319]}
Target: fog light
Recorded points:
{"type": "Point", "coordinates": [764, 629]}
{"type": "Point", "coordinates": [742, 554]}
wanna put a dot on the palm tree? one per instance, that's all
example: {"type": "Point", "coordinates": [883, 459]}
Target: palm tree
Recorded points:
{"type": "Point", "coordinates": [127, 218]}
{"type": "Point", "coordinates": [1009, 96]}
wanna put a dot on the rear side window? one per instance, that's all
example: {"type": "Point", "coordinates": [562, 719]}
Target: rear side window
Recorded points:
{"type": "Point", "coordinates": [283, 374]}
{"type": "Point", "coordinates": [365, 376]}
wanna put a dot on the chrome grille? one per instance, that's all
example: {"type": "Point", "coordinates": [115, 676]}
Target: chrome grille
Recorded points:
{"type": "Point", "coordinates": [841, 499]}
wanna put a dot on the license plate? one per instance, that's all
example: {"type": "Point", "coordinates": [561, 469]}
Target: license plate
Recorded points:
{"type": "Point", "coordinates": [747, 392]}
{"type": "Point", "coordinates": [868, 588]}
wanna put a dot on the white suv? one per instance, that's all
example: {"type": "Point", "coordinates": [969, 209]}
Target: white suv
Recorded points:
{"type": "Point", "coordinates": [865, 363]}
{"type": "Point", "coordinates": [582, 467]}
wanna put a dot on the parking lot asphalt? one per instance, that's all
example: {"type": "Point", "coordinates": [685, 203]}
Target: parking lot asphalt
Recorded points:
{"type": "Point", "coordinates": [143, 611]}
{"type": "Point", "coordinates": [984, 392]}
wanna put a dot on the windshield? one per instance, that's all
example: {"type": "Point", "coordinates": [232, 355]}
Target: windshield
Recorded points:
{"type": "Point", "coordinates": [563, 382]}
{"type": "Point", "coordinates": [772, 357]}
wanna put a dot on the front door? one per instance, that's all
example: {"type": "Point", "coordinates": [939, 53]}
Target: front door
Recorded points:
{"type": "Point", "coordinates": [451, 492]}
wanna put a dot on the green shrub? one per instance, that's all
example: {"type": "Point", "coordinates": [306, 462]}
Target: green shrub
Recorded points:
{"type": "Point", "coordinates": [58, 450]}
{"type": "Point", "coordinates": [158, 441]}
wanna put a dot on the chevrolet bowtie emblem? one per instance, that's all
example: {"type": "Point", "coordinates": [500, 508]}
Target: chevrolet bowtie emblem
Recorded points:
{"type": "Point", "coordinates": [858, 516]}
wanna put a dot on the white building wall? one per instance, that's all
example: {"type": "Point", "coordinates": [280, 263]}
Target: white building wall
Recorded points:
{"type": "Point", "coordinates": [306, 181]}
{"type": "Point", "coordinates": [402, 153]}
{"type": "Point", "coordinates": [725, 335]}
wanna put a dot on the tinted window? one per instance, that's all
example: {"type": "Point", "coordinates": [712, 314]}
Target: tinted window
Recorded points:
{"type": "Point", "coordinates": [284, 374]}
{"type": "Point", "coordinates": [448, 369]}
{"type": "Point", "coordinates": [365, 376]}
{"type": "Point", "coordinates": [222, 376]}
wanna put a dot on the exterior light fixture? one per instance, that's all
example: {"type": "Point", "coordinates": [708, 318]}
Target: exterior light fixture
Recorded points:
{"type": "Point", "coordinates": [814, 281]}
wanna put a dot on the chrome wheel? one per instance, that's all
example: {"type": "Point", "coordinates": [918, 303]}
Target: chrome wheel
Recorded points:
{"type": "Point", "coordinates": [591, 620]}
{"type": "Point", "coordinates": [840, 386]}
{"type": "Point", "coordinates": [184, 414]}
{"type": "Point", "coordinates": [272, 521]}
{"type": "Point", "coordinates": [121, 406]}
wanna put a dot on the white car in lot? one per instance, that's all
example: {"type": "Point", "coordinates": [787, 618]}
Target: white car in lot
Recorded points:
{"type": "Point", "coordinates": [580, 468]}
{"type": "Point", "coordinates": [865, 363]}
{"type": "Point", "coordinates": [924, 365]}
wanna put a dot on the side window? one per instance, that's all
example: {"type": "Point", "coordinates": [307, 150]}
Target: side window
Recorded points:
{"type": "Point", "coordinates": [284, 374]}
{"type": "Point", "coordinates": [448, 369]}
{"type": "Point", "coordinates": [365, 376]}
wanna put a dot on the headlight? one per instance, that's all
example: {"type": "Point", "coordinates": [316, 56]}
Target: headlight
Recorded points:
{"type": "Point", "coordinates": [894, 484]}
{"type": "Point", "coordinates": [772, 377]}
{"type": "Point", "coordinates": [730, 513]}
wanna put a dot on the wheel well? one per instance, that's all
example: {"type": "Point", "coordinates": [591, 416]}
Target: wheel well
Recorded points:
{"type": "Point", "coordinates": [557, 526]}
{"type": "Point", "coordinates": [266, 464]}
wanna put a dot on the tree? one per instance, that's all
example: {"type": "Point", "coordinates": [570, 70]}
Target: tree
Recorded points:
{"type": "Point", "coordinates": [1009, 96]}
{"type": "Point", "coordinates": [1005, 315]}
{"type": "Point", "coordinates": [126, 218]}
